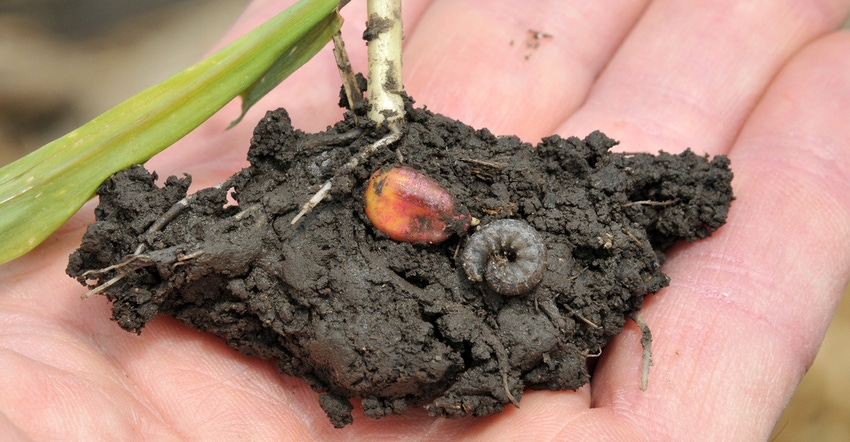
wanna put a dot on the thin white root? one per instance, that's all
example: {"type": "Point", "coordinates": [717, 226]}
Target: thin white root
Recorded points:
{"type": "Point", "coordinates": [322, 193]}
{"type": "Point", "coordinates": [246, 212]}
{"type": "Point", "coordinates": [103, 286]}
{"type": "Point", "coordinates": [139, 253]}
{"type": "Point", "coordinates": [646, 343]}
{"type": "Point", "coordinates": [124, 267]}
{"type": "Point", "coordinates": [508, 391]}
{"type": "Point", "coordinates": [120, 265]}
{"type": "Point", "coordinates": [386, 141]}
{"type": "Point", "coordinates": [313, 201]}
{"type": "Point", "coordinates": [172, 213]}
{"type": "Point", "coordinates": [163, 220]}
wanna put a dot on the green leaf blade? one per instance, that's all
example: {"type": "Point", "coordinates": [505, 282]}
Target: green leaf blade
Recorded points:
{"type": "Point", "coordinates": [39, 192]}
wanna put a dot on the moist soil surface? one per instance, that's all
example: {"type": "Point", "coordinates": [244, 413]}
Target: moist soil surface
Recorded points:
{"type": "Point", "coordinates": [356, 314]}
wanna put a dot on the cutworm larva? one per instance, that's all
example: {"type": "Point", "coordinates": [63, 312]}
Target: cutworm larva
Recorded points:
{"type": "Point", "coordinates": [508, 254]}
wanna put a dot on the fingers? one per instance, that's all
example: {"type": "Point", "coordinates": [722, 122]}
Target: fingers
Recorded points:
{"type": "Point", "coordinates": [746, 309]}
{"type": "Point", "coordinates": [196, 385]}
{"type": "Point", "coordinates": [689, 73]}
{"type": "Point", "coordinates": [54, 382]}
{"type": "Point", "coordinates": [511, 67]}
{"type": "Point", "coordinates": [793, 160]}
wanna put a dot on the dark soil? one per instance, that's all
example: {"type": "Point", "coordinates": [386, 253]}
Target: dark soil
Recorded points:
{"type": "Point", "coordinates": [400, 325]}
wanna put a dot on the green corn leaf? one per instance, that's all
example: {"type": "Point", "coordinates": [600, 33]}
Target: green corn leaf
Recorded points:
{"type": "Point", "coordinates": [285, 66]}
{"type": "Point", "coordinates": [40, 191]}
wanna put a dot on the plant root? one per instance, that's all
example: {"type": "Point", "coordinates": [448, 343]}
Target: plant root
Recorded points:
{"type": "Point", "coordinates": [388, 140]}
{"type": "Point", "coordinates": [646, 343]}
{"type": "Point", "coordinates": [580, 317]}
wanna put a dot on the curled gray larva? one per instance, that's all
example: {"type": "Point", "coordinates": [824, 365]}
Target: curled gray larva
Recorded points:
{"type": "Point", "coordinates": [508, 254]}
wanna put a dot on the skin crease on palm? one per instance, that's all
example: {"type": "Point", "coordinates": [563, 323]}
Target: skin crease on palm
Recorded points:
{"type": "Point", "coordinates": [767, 83]}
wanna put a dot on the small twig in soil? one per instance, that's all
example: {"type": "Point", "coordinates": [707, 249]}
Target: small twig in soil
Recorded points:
{"type": "Point", "coordinates": [651, 203]}
{"type": "Point", "coordinates": [646, 343]}
{"type": "Point", "coordinates": [322, 193]}
{"type": "Point", "coordinates": [630, 235]}
{"type": "Point", "coordinates": [582, 318]}
{"type": "Point", "coordinates": [574, 277]}
{"type": "Point", "coordinates": [483, 169]}
{"type": "Point", "coordinates": [484, 163]}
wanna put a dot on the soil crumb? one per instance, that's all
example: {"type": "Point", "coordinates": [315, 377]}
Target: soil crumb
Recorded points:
{"type": "Point", "coordinates": [358, 315]}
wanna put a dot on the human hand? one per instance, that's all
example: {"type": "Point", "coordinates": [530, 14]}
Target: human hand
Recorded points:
{"type": "Point", "coordinates": [733, 333]}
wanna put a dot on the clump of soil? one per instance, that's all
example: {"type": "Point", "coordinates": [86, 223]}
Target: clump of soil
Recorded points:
{"type": "Point", "coordinates": [338, 303]}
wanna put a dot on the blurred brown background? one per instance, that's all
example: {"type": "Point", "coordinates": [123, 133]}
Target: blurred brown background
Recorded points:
{"type": "Point", "coordinates": [64, 62]}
